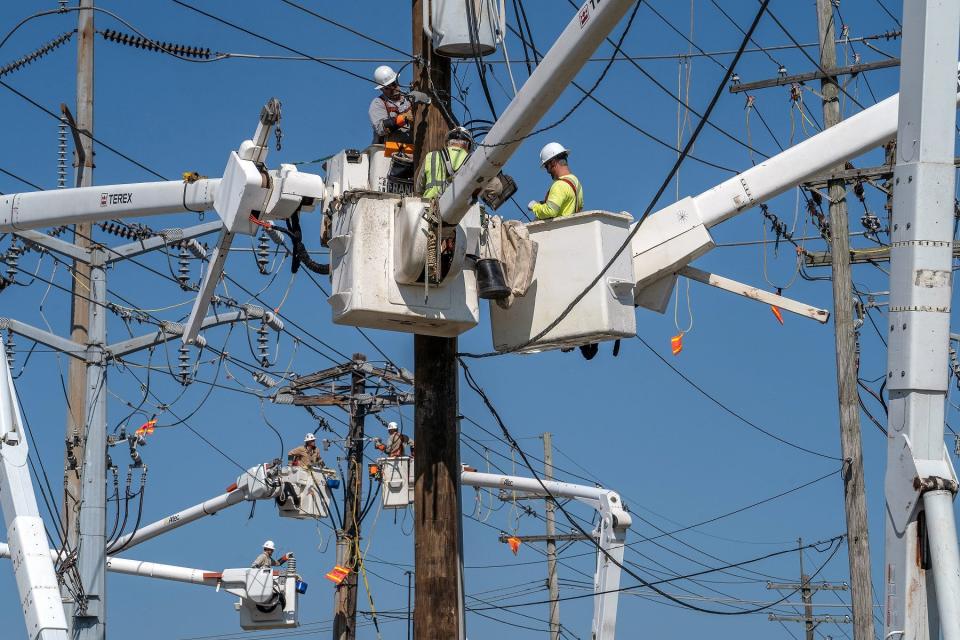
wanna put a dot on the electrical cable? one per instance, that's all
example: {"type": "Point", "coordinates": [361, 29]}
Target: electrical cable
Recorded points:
{"type": "Point", "coordinates": [346, 28]}
{"type": "Point", "coordinates": [83, 132]}
{"type": "Point", "coordinates": [472, 383]}
{"type": "Point", "coordinates": [271, 41]}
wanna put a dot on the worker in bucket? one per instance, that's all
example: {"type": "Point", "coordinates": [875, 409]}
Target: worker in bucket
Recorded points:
{"type": "Point", "coordinates": [565, 196]}
{"type": "Point", "coordinates": [391, 112]}
{"type": "Point", "coordinates": [265, 559]}
{"type": "Point", "coordinates": [396, 442]}
{"type": "Point", "coordinates": [439, 166]}
{"type": "Point", "coordinates": [306, 455]}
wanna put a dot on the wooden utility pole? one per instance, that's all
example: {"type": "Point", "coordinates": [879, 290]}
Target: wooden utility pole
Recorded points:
{"type": "Point", "coordinates": [80, 284]}
{"type": "Point", "coordinates": [552, 582]}
{"type": "Point", "coordinates": [855, 500]}
{"type": "Point", "coordinates": [807, 589]}
{"type": "Point", "coordinates": [438, 578]}
{"type": "Point", "coordinates": [348, 538]}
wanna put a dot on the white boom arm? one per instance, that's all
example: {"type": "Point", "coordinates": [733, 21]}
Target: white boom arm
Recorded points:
{"type": "Point", "coordinates": [672, 237]}
{"type": "Point", "coordinates": [246, 192]}
{"type": "Point", "coordinates": [254, 484]}
{"type": "Point", "coordinates": [588, 28]}
{"type": "Point", "coordinates": [261, 603]}
{"type": "Point", "coordinates": [33, 567]}
{"type": "Point", "coordinates": [611, 534]}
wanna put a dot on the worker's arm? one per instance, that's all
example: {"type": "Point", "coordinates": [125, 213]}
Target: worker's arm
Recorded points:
{"type": "Point", "coordinates": [560, 193]}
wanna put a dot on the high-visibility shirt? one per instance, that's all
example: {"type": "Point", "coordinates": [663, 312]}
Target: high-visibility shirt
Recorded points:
{"type": "Point", "coordinates": [435, 170]}
{"type": "Point", "coordinates": [564, 198]}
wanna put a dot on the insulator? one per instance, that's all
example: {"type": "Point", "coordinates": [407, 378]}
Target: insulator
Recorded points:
{"type": "Point", "coordinates": [183, 268]}
{"type": "Point", "coordinates": [183, 364]}
{"type": "Point", "coordinates": [263, 345]}
{"type": "Point", "coordinates": [151, 45]}
{"type": "Point", "coordinates": [34, 55]}
{"type": "Point", "coordinates": [263, 253]}
{"type": "Point", "coordinates": [62, 153]}
{"type": "Point", "coordinates": [273, 321]}
{"type": "Point", "coordinates": [266, 380]}
{"type": "Point", "coordinates": [12, 259]}
{"type": "Point", "coordinates": [9, 347]}
{"type": "Point", "coordinates": [197, 249]}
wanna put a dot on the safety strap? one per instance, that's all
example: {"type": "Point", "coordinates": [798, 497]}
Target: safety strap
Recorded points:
{"type": "Point", "coordinates": [576, 194]}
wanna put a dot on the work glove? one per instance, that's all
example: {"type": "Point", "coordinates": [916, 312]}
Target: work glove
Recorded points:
{"type": "Point", "coordinates": [532, 204]}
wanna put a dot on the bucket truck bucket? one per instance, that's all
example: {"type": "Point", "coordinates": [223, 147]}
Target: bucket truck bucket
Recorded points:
{"type": "Point", "coordinates": [303, 493]}
{"type": "Point", "coordinates": [396, 478]}
{"type": "Point", "coordinates": [269, 599]}
{"type": "Point", "coordinates": [571, 251]}
{"type": "Point", "coordinates": [462, 29]}
{"type": "Point", "coordinates": [376, 244]}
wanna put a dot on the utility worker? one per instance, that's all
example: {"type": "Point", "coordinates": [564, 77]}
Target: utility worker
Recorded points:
{"type": "Point", "coordinates": [391, 111]}
{"type": "Point", "coordinates": [566, 194]}
{"type": "Point", "coordinates": [394, 448]}
{"type": "Point", "coordinates": [307, 455]}
{"type": "Point", "coordinates": [439, 166]}
{"type": "Point", "coordinates": [265, 559]}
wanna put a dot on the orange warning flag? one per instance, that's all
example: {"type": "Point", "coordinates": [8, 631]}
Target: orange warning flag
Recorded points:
{"type": "Point", "coordinates": [514, 543]}
{"type": "Point", "coordinates": [146, 428]}
{"type": "Point", "coordinates": [338, 574]}
{"type": "Point", "coordinates": [777, 314]}
{"type": "Point", "coordinates": [676, 343]}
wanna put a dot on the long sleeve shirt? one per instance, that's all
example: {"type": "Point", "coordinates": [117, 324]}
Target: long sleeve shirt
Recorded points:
{"type": "Point", "coordinates": [303, 456]}
{"type": "Point", "coordinates": [382, 111]}
{"type": "Point", "coordinates": [264, 560]}
{"type": "Point", "coordinates": [564, 198]}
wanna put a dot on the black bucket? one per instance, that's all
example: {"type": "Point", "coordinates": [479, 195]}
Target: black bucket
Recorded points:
{"type": "Point", "coordinates": [491, 284]}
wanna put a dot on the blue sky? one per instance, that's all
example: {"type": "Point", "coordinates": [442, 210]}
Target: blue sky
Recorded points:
{"type": "Point", "coordinates": [630, 423]}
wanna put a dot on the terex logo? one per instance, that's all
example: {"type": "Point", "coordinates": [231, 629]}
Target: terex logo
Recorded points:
{"type": "Point", "coordinates": [115, 199]}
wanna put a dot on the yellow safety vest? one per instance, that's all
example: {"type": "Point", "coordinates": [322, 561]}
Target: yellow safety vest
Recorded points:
{"type": "Point", "coordinates": [435, 175]}
{"type": "Point", "coordinates": [564, 198]}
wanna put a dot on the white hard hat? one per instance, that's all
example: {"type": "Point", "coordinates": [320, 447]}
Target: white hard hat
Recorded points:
{"type": "Point", "coordinates": [460, 133]}
{"type": "Point", "coordinates": [309, 438]}
{"type": "Point", "coordinates": [269, 545]}
{"type": "Point", "coordinates": [550, 151]}
{"type": "Point", "coordinates": [391, 426]}
{"type": "Point", "coordinates": [384, 75]}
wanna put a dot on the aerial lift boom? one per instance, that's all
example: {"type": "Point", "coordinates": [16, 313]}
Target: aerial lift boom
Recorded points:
{"type": "Point", "coordinates": [610, 535]}
{"type": "Point", "coordinates": [32, 564]}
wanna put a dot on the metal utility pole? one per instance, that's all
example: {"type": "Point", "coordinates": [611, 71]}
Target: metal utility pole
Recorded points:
{"type": "Point", "coordinates": [348, 538]}
{"type": "Point", "coordinates": [80, 305]}
{"type": "Point", "coordinates": [845, 335]}
{"type": "Point", "coordinates": [921, 556]}
{"type": "Point", "coordinates": [438, 564]}
{"type": "Point", "coordinates": [551, 507]}
{"type": "Point", "coordinates": [807, 589]}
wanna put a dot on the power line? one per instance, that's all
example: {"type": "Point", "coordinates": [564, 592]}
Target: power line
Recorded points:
{"type": "Point", "coordinates": [733, 413]}
{"type": "Point", "coordinates": [347, 28]}
{"type": "Point", "coordinates": [271, 41]}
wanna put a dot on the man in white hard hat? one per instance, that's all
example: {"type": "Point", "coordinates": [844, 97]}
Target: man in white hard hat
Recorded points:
{"type": "Point", "coordinates": [565, 196]}
{"type": "Point", "coordinates": [394, 448]}
{"type": "Point", "coordinates": [306, 455]}
{"type": "Point", "coordinates": [439, 166]}
{"type": "Point", "coordinates": [391, 111]}
{"type": "Point", "coordinates": [265, 559]}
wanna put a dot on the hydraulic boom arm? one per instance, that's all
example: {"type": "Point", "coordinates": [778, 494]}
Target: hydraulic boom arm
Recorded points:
{"type": "Point", "coordinates": [610, 534]}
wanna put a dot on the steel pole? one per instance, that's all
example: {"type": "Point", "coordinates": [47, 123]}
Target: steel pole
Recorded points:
{"type": "Point", "coordinates": [919, 320]}
{"type": "Point", "coordinates": [942, 534]}
{"type": "Point", "coordinates": [90, 613]}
